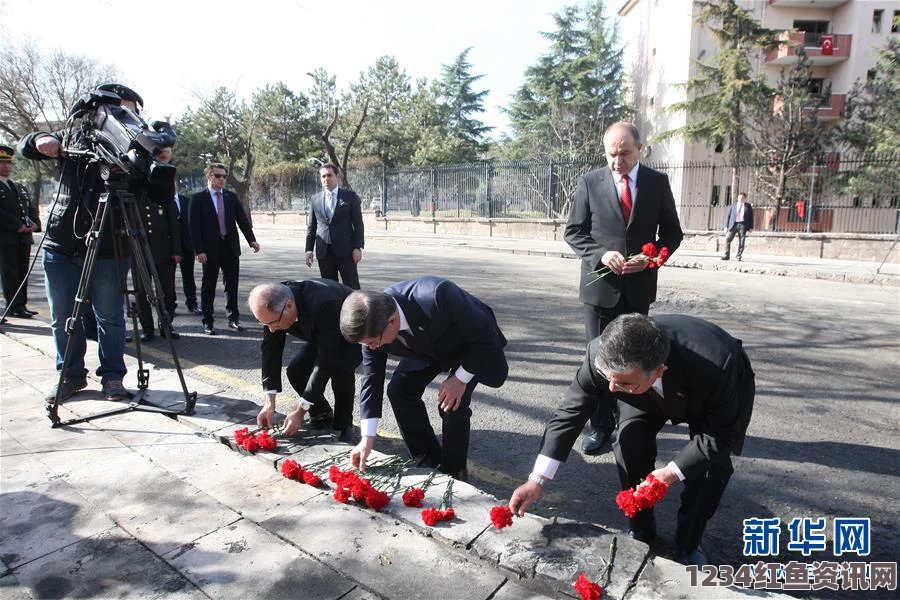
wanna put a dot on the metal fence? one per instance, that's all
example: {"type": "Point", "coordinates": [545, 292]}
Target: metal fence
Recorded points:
{"type": "Point", "coordinates": [849, 195]}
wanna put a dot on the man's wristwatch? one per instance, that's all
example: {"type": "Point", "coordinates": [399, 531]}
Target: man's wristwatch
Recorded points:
{"type": "Point", "coordinates": [538, 478]}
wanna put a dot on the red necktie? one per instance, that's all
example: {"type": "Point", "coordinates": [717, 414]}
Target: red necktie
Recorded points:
{"type": "Point", "coordinates": [625, 198]}
{"type": "Point", "coordinates": [220, 212]}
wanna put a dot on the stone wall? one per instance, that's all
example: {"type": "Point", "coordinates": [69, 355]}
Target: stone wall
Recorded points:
{"type": "Point", "coordinates": [843, 246]}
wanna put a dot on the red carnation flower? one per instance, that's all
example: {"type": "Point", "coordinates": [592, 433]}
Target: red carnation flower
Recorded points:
{"type": "Point", "coordinates": [360, 488]}
{"type": "Point", "coordinates": [663, 256]}
{"type": "Point", "coordinates": [431, 516]}
{"type": "Point", "coordinates": [448, 515]}
{"type": "Point", "coordinates": [652, 265]}
{"type": "Point", "coordinates": [335, 474]}
{"type": "Point", "coordinates": [626, 503]}
{"type": "Point", "coordinates": [587, 589]}
{"type": "Point", "coordinates": [241, 434]}
{"type": "Point", "coordinates": [265, 442]}
{"type": "Point", "coordinates": [413, 497]}
{"type": "Point", "coordinates": [648, 250]}
{"type": "Point", "coordinates": [376, 500]}
{"type": "Point", "coordinates": [310, 478]}
{"type": "Point", "coordinates": [501, 516]}
{"type": "Point", "coordinates": [342, 495]}
{"type": "Point", "coordinates": [250, 444]}
{"type": "Point", "coordinates": [291, 469]}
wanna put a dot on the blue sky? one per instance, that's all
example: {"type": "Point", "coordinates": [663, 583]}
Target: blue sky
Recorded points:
{"type": "Point", "coordinates": [169, 51]}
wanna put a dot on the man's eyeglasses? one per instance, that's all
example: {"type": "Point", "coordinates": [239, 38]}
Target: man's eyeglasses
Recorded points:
{"type": "Point", "coordinates": [276, 321]}
{"type": "Point", "coordinates": [220, 175]}
{"type": "Point", "coordinates": [629, 389]}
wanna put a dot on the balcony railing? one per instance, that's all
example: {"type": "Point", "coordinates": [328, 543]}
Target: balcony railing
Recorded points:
{"type": "Point", "coordinates": [807, 3]}
{"type": "Point", "coordinates": [811, 43]}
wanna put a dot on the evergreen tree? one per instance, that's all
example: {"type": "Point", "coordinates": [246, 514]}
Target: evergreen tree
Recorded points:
{"type": "Point", "coordinates": [460, 104]}
{"type": "Point", "coordinates": [285, 125]}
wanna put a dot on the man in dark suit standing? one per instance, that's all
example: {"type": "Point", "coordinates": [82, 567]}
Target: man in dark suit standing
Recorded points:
{"type": "Point", "coordinates": [738, 221]}
{"type": "Point", "coordinates": [617, 210]}
{"type": "Point", "coordinates": [434, 326]}
{"type": "Point", "coordinates": [18, 220]}
{"type": "Point", "coordinates": [215, 215]}
{"type": "Point", "coordinates": [670, 367]}
{"type": "Point", "coordinates": [160, 223]}
{"type": "Point", "coordinates": [335, 229]}
{"type": "Point", "coordinates": [309, 310]}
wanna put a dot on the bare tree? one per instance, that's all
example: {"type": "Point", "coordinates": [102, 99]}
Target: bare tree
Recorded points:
{"type": "Point", "coordinates": [330, 151]}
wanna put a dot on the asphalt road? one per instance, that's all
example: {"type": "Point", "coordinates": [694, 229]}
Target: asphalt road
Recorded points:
{"type": "Point", "coordinates": [822, 442]}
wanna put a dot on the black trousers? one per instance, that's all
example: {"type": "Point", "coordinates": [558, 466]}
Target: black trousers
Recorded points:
{"type": "Point", "coordinates": [309, 381]}
{"type": "Point", "coordinates": [741, 232]}
{"type": "Point", "coordinates": [330, 266]}
{"type": "Point", "coordinates": [166, 271]}
{"type": "Point", "coordinates": [230, 266]}
{"type": "Point", "coordinates": [187, 280]}
{"type": "Point", "coordinates": [404, 391]}
{"type": "Point", "coordinates": [596, 318]}
{"type": "Point", "coordinates": [13, 269]}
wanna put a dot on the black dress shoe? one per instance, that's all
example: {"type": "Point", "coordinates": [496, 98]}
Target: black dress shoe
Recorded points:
{"type": "Point", "coordinates": [696, 557]}
{"type": "Point", "coordinates": [21, 313]}
{"type": "Point", "coordinates": [31, 312]}
{"type": "Point", "coordinates": [147, 336]}
{"type": "Point", "coordinates": [175, 334]}
{"type": "Point", "coordinates": [595, 443]}
{"type": "Point", "coordinates": [345, 435]}
{"type": "Point", "coordinates": [724, 258]}
{"type": "Point", "coordinates": [323, 421]}
{"type": "Point", "coordinates": [426, 461]}
{"type": "Point", "coordinates": [643, 528]}
{"type": "Point", "coordinates": [192, 309]}
{"type": "Point", "coordinates": [208, 330]}
{"type": "Point", "coordinates": [235, 325]}
{"type": "Point", "coordinates": [128, 338]}
{"type": "Point", "coordinates": [3, 320]}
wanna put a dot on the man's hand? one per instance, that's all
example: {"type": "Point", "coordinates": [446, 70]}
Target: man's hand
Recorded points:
{"type": "Point", "coordinates": [636, 264]}
{"type": "Point", "coordinates": [255, 246]}
{"type": "Point", "coordinates": [357, 255]}
{"type": "Point", "coordinates": [293, 421]}
{"type": "Point", "coordinates": [47, 145]}
{"type": "Point", "coordinates": [361, 452]}
{"type": "Point", "coordinates": [309, 259]}
{"type": "Point", "coordinates": [201, 258]}
{"type": "Point", "coordinates": [451, 392]}
{"type": "Point", "coordinates": [665, 474]}
{"type": "Point", "coordinates": [614, 260]}
{"type": "Point", "coordinates": [525, 495]}
{"type": "Point", "coordinates": [266, 416]}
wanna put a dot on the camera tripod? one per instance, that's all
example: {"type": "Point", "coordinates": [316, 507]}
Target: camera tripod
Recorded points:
{"type": "Point", "coordinates": [146, 281]}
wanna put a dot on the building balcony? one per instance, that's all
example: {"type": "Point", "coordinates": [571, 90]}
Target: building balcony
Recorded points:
{"type": "Point", "coordinates": [786, 53]}
{"type": "Point", "coordinates": [807, 3]}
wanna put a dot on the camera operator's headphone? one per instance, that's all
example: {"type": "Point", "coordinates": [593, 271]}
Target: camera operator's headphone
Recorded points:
{"type": "Point", "coordinates": [124, 92]}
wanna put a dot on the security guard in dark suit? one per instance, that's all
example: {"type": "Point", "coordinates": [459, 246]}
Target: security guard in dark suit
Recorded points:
{"type": "Point", "coordinates": [18, 220]}
{"type": "Point", "coordinates": [163, 235]}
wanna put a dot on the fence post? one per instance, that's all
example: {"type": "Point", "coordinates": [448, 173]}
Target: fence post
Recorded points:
{"type": "Point", "coordinates": [433, 193]}
{"type": "Point", "coordinates": [550, 192]}
{"type": "Point", "coordinates": [809, 205]}
{"type": "Point", "coordinates": [487, 189]}
{"type": "Point", "coordinates": [384, 196]}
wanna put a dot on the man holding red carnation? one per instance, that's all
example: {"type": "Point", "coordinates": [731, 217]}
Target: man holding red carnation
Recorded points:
{"type": "Point", "coordinates": [669, 367]}
{"type": "Point", "coordinates": [618, 210]}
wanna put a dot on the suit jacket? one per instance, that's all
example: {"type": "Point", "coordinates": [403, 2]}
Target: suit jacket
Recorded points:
{"type": "Point", "coordinates": [184, 228]}
{"type": "Point", "coordinates": [161, 225]}
{"type": "Point", "coordinates": [703, 384]}
{"type": "Point", "coordinates": [732, 214]}
{"type": "Point", "coordinates": [449, 328]}
{"type": "Point", "coordinates": [15, 208]}
{"type": "Point", "coordinates": [319, 304]}
{"type": "Point", "coordinates": [205, 225]}
{"type": "Point", "coordinates": [597, 225]}
{"type": "Point", "coordinates": [344, 230]}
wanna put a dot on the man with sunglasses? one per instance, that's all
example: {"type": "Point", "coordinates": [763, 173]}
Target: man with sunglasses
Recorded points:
{"type": "Point", "coordinates": [215, 215]}
{"type": "Point", "coordinates": [670, 367]}
{"type": "Point", "coordinates": [309, 310]}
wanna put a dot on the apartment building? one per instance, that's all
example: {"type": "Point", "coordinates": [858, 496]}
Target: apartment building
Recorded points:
{"type": "Point", "coordinates": [662, 40]}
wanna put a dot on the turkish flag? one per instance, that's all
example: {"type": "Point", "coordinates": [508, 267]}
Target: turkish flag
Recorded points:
{"type": "Point", "coordinates": [827, 45]}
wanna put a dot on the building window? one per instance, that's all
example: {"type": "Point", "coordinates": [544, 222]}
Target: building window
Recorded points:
{"type": "Point", "coordinates": [727, 195]}
{"type": "Point", "coordinates": [714, 198]}
{"type": "Point", "coordinates": [895, 22]}
{"type": "Point", "coordinates": [871, 74]}
{"type": "Point", "coordinates": [719, 148]}
{"type": "Point", "coordinates": [876, 20]}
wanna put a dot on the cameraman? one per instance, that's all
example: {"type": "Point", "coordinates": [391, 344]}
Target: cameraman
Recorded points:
{"type": "Point", "coordinates": [65, 246]}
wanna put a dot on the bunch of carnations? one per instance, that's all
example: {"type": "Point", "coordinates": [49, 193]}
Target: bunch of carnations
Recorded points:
{"type": "Point", "coordinates": [501, 516]}
{"type": "Point", "coordinates": [655, 259]}
{"type": "Point", "coordinates": [644, 496]}
{"type": "Point", "coordinates": [368, 490]}
{"type": "Point", "coordinates": [414, 495]}
{"type": "Point", "coordinates": [251, 442]}
{"type": "Point", "coordinates": [591, 590]}
{"type": "Point", "coordinates": [291, 469]}
{"type": "Point", "coordinates": [432, 516]}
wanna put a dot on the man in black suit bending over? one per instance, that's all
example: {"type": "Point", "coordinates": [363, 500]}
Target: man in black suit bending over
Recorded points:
{"type": "Point", "coordinates": [309, 310]}
{"type": "Point", "coordinates": [434, 326]}
{"type": "Point", "coordinates": [618, 209]}
{"type": "Point", "coordinates": [670, 367]}
{"type": "Point", "coordinates": [335, 229]}
{"type": "Point", "coordinates": [215, 215]}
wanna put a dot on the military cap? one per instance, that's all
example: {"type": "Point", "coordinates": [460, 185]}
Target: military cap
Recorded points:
{"type": "Point", "coordinates": [6, 154]}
